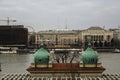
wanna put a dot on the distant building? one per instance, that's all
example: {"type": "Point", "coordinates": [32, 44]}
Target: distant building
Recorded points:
{"type": "Point", "coordinates": [74, 38]}
{"type": "Point", "coordinates": [116, 38]}
{"type": "Point", "coordinates": [58, 37]}
{"type": "Point", "coordinates": [116, 33]}
{"type": "Point", "coordinates": [13, 36]}
{"type": "Point", "coordinates": [31, 39]}
{"type": "Point", "coordinates": [99, 36]}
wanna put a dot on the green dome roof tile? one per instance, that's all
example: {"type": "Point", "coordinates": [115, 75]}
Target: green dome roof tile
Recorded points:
{"type": "Point", "coordinates": [41, 56]}
{"type": "Point", "coordinates": [89, 56]}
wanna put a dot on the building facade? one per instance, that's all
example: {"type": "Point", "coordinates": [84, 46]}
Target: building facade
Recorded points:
{"type": "Point", "coordinates": [58, 37]}
{"type": "Point", "coordinates": [116, 33]}
{"type": "Point", "coordinates": [13, 36]}
{"type": "Point", "coordinates": [99, 36]}
{"type": "Point", "coordinates": [116, 38]}
{"type": "Point", "coordinates": [75, 38]}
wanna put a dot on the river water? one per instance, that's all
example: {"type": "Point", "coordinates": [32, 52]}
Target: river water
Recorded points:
{"type": "Point", "coordinates": [17, 63]}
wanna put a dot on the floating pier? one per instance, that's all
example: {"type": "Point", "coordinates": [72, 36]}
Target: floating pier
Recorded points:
{"type": "Point", "coordinates": [26, 76]}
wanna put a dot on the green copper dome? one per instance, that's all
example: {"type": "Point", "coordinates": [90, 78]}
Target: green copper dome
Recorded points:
{"type": "Point", "coordinates": [41, 56]}
{"type": "Point", "coordinates": [89, 56]}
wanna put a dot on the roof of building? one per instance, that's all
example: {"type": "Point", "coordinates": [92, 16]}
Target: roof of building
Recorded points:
{"type": "Point", "coordinates": [11, 26]}
{"type": "Point", "coordinates": [59, 31]}
{"type": "Point", "coordinates": [41, 56]}
{"type": "Point", "coordinates": [95, 28]}
{"type": "Point", "coordinates": [89, 56]}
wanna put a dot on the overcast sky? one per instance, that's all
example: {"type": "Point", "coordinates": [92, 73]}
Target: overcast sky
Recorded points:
{"type": "Point", "coordinates": [56, 14]}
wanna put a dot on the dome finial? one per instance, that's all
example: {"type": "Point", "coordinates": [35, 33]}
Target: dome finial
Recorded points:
{"type": "Point", "coordinates": [41, 43]}
{"type": "Point", "coordinates": [89, 40]}
{"type": "Point", "coordinates": [89, 56]}
{"type": "Point", "coordinates": [41, 56]}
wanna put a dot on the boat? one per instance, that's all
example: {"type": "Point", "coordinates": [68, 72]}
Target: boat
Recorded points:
{"type": "Point", "coordinates": [8, 50]}
{"type": "Point", "coordinates": [116, 51]}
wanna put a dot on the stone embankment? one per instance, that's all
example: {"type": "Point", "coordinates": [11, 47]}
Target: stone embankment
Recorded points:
{"type": "Point", "coordinates": [26, 76]}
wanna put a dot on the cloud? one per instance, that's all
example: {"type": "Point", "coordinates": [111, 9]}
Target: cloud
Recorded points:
{"type": "Point", "coordinates": [52, 14]}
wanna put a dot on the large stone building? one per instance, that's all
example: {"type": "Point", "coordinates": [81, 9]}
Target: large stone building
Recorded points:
{"type": "Point", "coordinates": [75, 38]}
{"type": "Point", "coordinates": [116, 33]}
{"type": "Point", "coordinates": [98, 35]}
{"type": "Point", "coordinates": [13, 36]}
{"type": "Point", "coordinates": [58, 37]}
{"type": "Point", "coordinates": [116, 38]}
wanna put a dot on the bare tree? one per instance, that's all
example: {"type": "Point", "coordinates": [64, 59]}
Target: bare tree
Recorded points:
{"type": "Point", "coordinates": [65, 57]}
{"type": "Point", "coordinates": [75, 55]}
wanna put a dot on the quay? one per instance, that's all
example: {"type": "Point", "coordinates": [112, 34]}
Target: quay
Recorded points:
{"type": "Point", "coordinates": [26, 76]}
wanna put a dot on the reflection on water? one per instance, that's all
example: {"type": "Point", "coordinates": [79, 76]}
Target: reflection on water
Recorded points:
{"type": "Point", "coordinates": [17, 63]}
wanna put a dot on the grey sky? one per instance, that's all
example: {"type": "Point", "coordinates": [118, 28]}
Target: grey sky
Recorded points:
{"type": "Point", "coordinates": [55, 14]}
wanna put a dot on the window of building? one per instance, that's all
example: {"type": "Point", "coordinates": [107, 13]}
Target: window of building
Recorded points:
{"type": "Point", "coordinates": [108, 37]}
